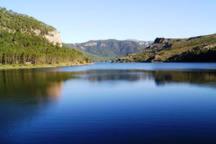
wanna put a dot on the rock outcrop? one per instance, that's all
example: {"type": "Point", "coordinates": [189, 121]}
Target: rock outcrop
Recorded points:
{"type": "Point", "coordinates": [54, 37]}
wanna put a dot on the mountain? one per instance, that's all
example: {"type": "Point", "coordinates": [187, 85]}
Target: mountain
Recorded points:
{"type": "Point", "coordinates": [111, 47]}
{"type": "Point", "coordinates": [25, 40]}
{"type": "Point", "coordinates": [194, 49]}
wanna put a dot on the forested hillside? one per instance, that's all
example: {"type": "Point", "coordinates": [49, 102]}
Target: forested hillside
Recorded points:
{"type": "Point", "coordinates": [15, 22]}
{"type": "Point", "coordinates": [25, 40]}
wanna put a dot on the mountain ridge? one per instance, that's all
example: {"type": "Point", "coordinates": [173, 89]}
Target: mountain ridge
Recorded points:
{"type": "Point", "coordinates": [193, 49]}
{"type": "Point", "coordinates": [111, 47]}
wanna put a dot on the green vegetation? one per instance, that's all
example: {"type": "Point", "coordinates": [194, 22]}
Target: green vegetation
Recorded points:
{"type": "Point", "coordinates": [15, 22]}
{"type": "Point", "coordinates": [20, 46]}
{"type": "Point", "coordinates": [196, 49]}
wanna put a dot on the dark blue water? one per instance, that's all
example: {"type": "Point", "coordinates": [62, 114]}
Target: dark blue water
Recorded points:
{"type": "Point", "coordinates": [109, 104]}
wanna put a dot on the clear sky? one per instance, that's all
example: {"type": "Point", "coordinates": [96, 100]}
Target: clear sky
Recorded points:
{"type": "Point", "coordinates": [82, 20]}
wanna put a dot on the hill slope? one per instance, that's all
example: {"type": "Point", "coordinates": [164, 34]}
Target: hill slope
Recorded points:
{"type": "Point", "coordinates": [111, 48]}
{"type": "Point", "coordinates": [194, 49]}
{"type": "Point", "coordinates": [25, 40]}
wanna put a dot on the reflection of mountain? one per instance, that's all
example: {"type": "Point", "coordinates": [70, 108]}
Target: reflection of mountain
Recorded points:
{"type": "Point", "coordinates": [207, 78]}
{"type": "Point", "coordinates": [113, 75]}
{"type": "Point", "coordinates": [23, 93]}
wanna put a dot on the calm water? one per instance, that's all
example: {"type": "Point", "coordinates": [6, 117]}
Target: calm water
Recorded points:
{"type": "Point", "coordinates": [109, 104]}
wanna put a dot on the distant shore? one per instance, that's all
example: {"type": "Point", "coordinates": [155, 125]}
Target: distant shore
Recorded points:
{"type": "Point", "coordinates": [32, 66]}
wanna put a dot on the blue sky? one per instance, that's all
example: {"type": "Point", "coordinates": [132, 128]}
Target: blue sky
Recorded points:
{"type": "Point", "coordinates": [82, 20]}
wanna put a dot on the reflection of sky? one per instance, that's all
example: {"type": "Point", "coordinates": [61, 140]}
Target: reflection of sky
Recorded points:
{"type": "Point", "coordinates": [87, 109]}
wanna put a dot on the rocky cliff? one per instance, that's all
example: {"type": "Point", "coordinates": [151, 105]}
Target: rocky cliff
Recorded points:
{"type": "Point", "coordinates": [52, 36]}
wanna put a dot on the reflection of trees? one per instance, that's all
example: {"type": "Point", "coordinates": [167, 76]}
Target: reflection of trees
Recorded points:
{"type": "Point", "coordinates": [23, 93]}
{"type": "Point", "coordinates": [207, 78]}
{"type": "Point", "coordinates": [28, 85]}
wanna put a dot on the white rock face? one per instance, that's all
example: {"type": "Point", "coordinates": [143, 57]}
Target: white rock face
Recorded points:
{"type": "Point", "coordinates": [53, 37]}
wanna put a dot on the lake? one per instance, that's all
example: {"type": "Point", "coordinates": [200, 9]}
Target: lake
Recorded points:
{"type": "Point", "coordinates": [110, 104]}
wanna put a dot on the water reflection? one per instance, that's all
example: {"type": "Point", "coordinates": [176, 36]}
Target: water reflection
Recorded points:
{"type": "Point", "coordinates": [204, 77]}
{"type": "Point", "coordinates": [85, 107]}
{"type": "Point", "coordinates": [31, 85]}
{"type": "Point", "coordinates": [23, 93]}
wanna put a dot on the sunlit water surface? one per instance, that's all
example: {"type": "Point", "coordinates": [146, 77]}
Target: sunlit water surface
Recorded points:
{"type": "Point", "coordinates": [109, 104]}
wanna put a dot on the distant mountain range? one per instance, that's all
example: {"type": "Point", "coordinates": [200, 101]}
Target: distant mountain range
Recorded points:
{"type": "Point", "coordinates": [194, 49]}
{"type": "Point", "coordinates": [111, 47]}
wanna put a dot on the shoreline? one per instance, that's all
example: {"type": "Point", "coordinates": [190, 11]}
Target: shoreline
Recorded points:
{"type": "Point", "coordinates": [32, 66]}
